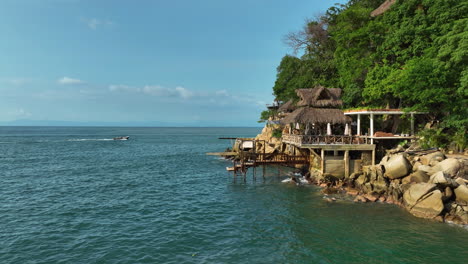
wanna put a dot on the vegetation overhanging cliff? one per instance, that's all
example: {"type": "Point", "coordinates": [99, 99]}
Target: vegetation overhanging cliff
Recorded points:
{"type": "Point", "coordinates": [412, 55]}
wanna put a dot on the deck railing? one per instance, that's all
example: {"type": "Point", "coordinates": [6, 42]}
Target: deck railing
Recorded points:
{"type": "Point", "coordinates": [282, 158]}
{"type": "Point", "coordinates": [300, 140]}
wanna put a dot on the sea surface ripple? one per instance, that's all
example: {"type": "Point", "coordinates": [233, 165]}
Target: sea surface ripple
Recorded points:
{"type": "Point", "coordinates": [71, 195]}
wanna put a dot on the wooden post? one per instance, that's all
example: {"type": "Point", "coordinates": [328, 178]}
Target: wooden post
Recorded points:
{"type": "Point", "coordinates": [373, 157]}
{"type": "Point", "coordinates": [322, 162]}
{"type": "Point", "coordinates": [372, 127]}
{"type": "Point", "coordinates": [412, 124]}
{"type": "Point", "coordinates": [346, 163]}
{"type": "Point", "coordinates": [359, 124]}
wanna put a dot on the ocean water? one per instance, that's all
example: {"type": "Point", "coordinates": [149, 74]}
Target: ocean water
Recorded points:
{"type": "Point", "coordinates": [72, 195]}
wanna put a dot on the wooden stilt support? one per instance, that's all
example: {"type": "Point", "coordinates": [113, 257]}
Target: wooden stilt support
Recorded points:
{"type": "Point", "coordinates": [373, 157]}
{"type": "Point", "coordinates": [346, 163]}
{"type": "Point", "coordinates": [412, 124]}
{"type": "Point", "coordinates": [322, 162]}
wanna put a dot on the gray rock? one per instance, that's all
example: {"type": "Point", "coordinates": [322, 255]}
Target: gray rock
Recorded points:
{"type": "Point", "coordinates": [419, 176]}
{"type": "Point", "coordinates": [427, 169]}
{"type": "Point", "coordinates": [437, 156]}
{"type": "Point", "coordinates": [416, 191]}
{"type": "Point", "coordinates": [460, 181]}
{"type": "Point", "coordinates": [423, 200]}
{"type": "Point", "coordinates": [406, 179]}
{"type": "Point", "coordinates": [397, 167]}
{"type": "Point", "coordinates": [461, 194]}
{"type": "Point", "coordinates": [367, 188]}
{"type": "Point", "coordinates": [384, 160]}
{"type": "Point", "coordinates": [361, 180]}
{"type": "Point", "coordinates": [448, 166]}
{"type": "Point", "coordinates": [448, 193]}
{"type": "Point", "coordinates": [380, 186]}
{"type": "Point", "coordinates": [416, 165]}
{"type": "Point", "coordinates": [439, 178]}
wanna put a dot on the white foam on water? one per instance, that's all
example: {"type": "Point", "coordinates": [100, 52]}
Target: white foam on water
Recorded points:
{"type": "Point", "coordinates": [91, 139]}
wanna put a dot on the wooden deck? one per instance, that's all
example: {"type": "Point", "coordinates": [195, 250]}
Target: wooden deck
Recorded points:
{"type": "Point", "coordinates": [338, 142]}
{"type": "Point", "coordinates": [247, 160]}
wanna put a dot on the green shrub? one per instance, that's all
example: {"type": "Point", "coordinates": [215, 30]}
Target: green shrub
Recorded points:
{"type": "Point", "coordinates": [433, 138]}
{"type": "Point", "coordinates": [277, 133]}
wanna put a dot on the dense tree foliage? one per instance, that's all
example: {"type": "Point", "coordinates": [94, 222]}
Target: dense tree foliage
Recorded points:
{"type": "Point", "coordinates": [413, 56]}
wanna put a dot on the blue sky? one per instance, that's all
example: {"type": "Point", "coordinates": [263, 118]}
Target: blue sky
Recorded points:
{"type": "Point", "coordinates": [204, 62]}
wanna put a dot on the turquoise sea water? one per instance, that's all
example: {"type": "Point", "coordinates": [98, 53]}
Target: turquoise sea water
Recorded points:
{"type": "Point", "coordinates": [70, 195]}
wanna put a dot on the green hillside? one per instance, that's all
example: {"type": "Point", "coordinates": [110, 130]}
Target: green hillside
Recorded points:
{"type": "Point", "coordinates": [413, 56]}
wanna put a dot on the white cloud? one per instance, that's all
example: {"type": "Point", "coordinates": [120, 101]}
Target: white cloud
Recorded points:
{"type": "Point", "coordinates": [69, 81]}
{"type": "Point", "coordinates": [219, 97]}
{"type": "Point", "coordinates": [19, 113]}
{"type": "Point", "coordinates": [123, 88]}
{"type": "Point", "coordinates": [157, 90]}
{"type": "Point", "coordinates": [154, 90]}
{"type": "Point", "coordinates": [222, 93]}
{"type": "Point", "coordinates": [94, 23]}
{"type": "Point", "coordinates": [15, 81]}
{"type": "Point", "coordinates": [184, 93]}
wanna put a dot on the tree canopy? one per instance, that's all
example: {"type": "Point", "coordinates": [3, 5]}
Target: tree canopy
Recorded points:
{"type": "Point", "coordinates": [413, 56]}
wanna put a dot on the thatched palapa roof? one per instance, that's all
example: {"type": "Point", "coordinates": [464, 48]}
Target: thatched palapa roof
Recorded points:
{"type": "Point", "coordinates": [382, 8]}
{"type": "Point", "coordinates": [320, 97]}
{"type": "Point", "coordinates": [287, 107]}
{"type": "Point", "coordinates": [311, 115]}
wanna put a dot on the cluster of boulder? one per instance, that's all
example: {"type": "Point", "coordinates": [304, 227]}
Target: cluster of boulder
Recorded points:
{"type": "Point", "coordinates": [428, 185]}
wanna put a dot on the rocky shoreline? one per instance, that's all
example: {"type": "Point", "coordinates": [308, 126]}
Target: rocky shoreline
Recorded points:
{"type": "Point", "coordinates": [427, 183]}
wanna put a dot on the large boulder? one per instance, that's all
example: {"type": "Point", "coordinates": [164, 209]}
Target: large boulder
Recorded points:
{"type": "Point", "coordinates": [379, 185]}
{"type": "Point", "coordinates": [460, 181]}
{"type": "Point", "coordinates": [397, 166]}
{"type": "Point", "coordinates": [440, 178]}
{"type": "Point", "coordinates": [419, 176]}
{"type": "Point", "coordinates": [416, 165]}
{"type": "Point", "coordinates": [436, 156]}
{"type": "Point", "coordinates": [426, 168]}
{"type": "Point", "coordinates": [361, 180]}
{"type": "Point", "coordinates": [423, 200]}
{"type": "Point", "coordinates": [461, 194]}
{"type": "Point", "coordinates": [448, 166]}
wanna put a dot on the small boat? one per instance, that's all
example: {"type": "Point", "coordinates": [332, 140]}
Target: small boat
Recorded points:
{"type": "Point", "coordinates": [121, 138]}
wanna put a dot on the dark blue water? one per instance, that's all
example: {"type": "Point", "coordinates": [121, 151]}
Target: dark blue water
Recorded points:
{"type": "Point", "coordinates": [69, 195]}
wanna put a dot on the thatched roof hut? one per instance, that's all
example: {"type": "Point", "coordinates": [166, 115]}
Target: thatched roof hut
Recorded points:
{"type": "Point", "coordinates": [312, 115]}
{"type": "Point", "coordinates": [382, 8]}
{"type": "Point", "coordinates": [287, 107]}
{"type": "Point", "coordinates": [320, 97]}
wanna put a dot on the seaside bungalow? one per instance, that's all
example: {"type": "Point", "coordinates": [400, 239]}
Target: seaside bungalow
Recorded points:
{"type": "Point", "coordinates": [318, 117]}
{"type": "Point", "coordinates": [287, 108]}
{"type": "Point", "coordinates": [372, 135]}
{"type": "Point", "coordinates": [320, 127]}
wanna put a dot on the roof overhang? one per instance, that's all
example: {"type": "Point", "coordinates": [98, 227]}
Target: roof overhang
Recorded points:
{"type": "Point", "coordinates": [382, 112]}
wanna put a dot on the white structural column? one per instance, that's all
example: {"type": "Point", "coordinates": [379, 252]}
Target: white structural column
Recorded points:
{"type": "Point", "coordinates": [412, 124]}
{"type": "Point", "coordinates": [322, 161]}
{"type": "Point", "coordinates": [372, 127]}
{"type": "Point", "coordinates": [359, 124]}
{"type": "Point", "coordinates": [346, 163]}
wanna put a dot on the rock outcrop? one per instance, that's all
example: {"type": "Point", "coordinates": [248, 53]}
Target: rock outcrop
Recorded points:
{"type": "Point", "coordinates": [272, 143]}
{"type": "Point", "coordinates": [397, 166]}
{"type": "Point", "coordinates": [423, 200]}
{"type": "Point", "coordinates": [428, 185]}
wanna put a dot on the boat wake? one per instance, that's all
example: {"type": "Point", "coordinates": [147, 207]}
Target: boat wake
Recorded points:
{"type": "Point", "coordinates": [91, 139]}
